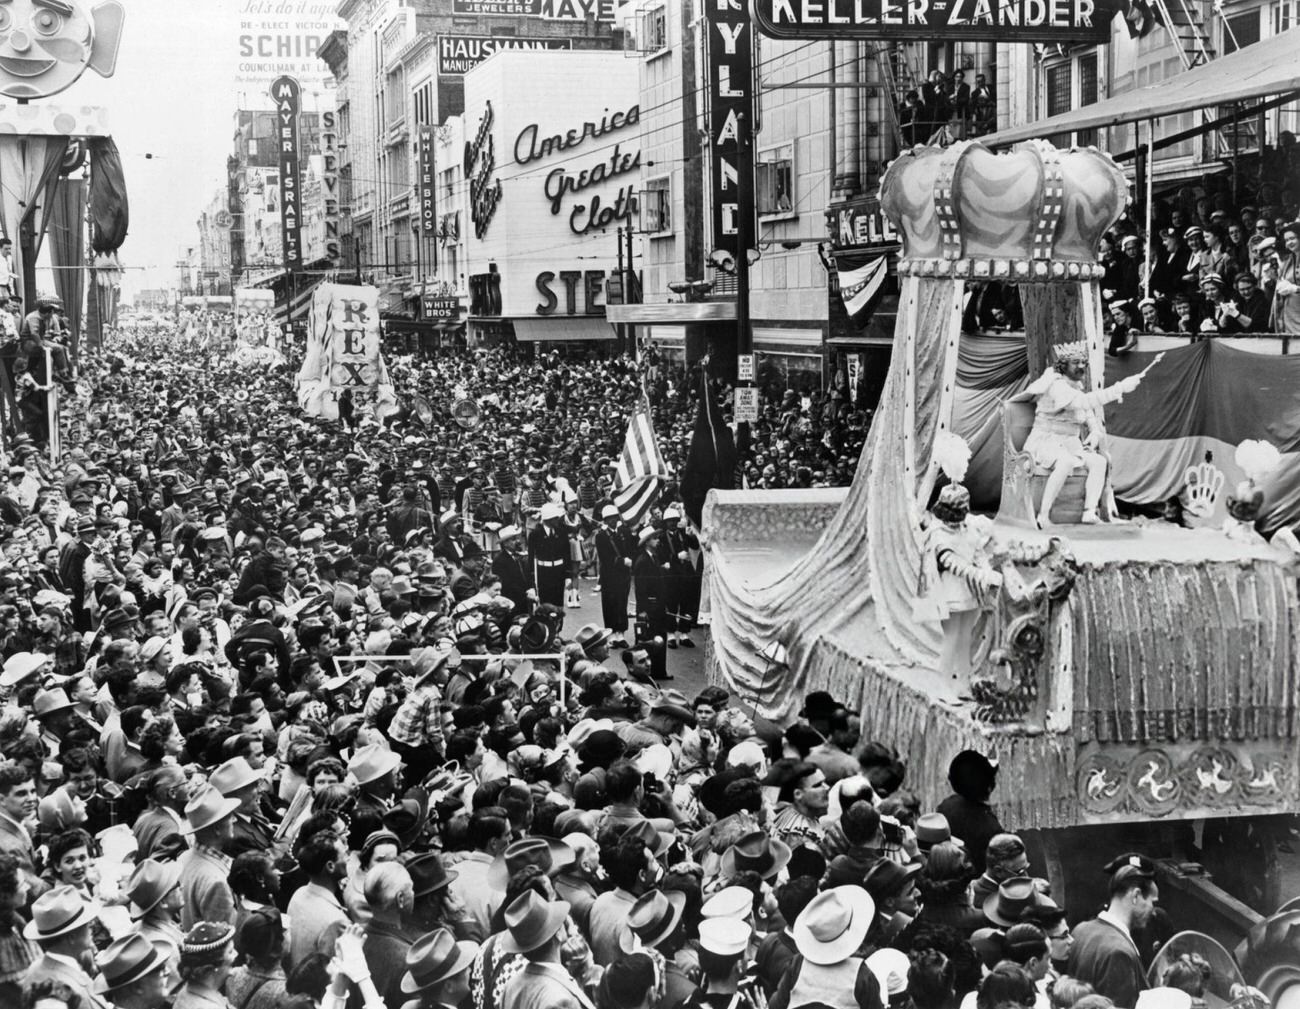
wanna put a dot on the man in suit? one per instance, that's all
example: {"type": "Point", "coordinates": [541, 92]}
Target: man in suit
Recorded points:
{"type": "Point", "coordinates": [682, 581]}
{"type": "Point", "coordinates": [159, 830]}
{"type": "Point", "coordinates": [615, 555]}
{"type": "Point", "coordinates": [649, 572]}
{"type": "Point", "coordinates": [18, 803]}
{"type": "Point", "coordinates": [534, 931]}
{"type": "Point", "coordinates": [250, 831]}
{"type": "Point", "coordinates": [72, 570]}
{"type": "Point", "coordinates": [1104, 953]}
{"type": "Point", "coordinates": [60, 925]}
{"type": "Point", "coordinates": [512, 567]}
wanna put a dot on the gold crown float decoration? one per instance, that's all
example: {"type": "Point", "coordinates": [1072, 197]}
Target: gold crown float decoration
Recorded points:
{"type": "Point", "coordinates": [1032, 215]}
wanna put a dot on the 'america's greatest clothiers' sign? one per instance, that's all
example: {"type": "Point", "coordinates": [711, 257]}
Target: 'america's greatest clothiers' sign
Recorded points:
{"type": "Point", "coordinates": [611, 161]}
{"type": "Point", "coordinates": [1064, 21]}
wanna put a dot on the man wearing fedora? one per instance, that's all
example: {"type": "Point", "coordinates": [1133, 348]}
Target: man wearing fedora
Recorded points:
{"type": "Point", "coordinates": [893, 888]}
{"type": "Point", "coordinates": [375, 769]}
{"type": "Point", "coordinates": [133, 973]}
{"type": "Point", "coordinates": [437, 971]}
{"type": "Point", "coordinates": [614, 552]}
{"type": "Point", "coordinates": [1104, 953]}
{"type": "Point", "coordinates": [60, 926]}
{"type": "Point", "coordinates": [205, 868]}
{"type": "Point", "coordinates": [534, 928]}
{"type": "Point", "coordinates": [155, 895]}
{"type": "Point", "coordinates": [250, 831]}
{"type": "Point", "coordinates": [829, 936]}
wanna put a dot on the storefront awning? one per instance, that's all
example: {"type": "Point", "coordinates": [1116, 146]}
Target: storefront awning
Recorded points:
{"type": "Point", "coordinates": [1269, 67]}
{"type": "Point", "coordinates": [566, 329]}
{"type": "Point", "coordinates": [676, 311]}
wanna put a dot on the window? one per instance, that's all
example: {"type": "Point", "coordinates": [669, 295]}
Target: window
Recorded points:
{"type": "Point", "coordinates": [1072, 83]}
{"type": "Point", "coordinates": [1240, 31]}
{"type": "Point", "coordinates": [424, 104]}
{"type": "Point", "coordinates": [774, 182]}
{"type": "Point", "coordinates": [1087, 95]}
{"type": "Point", "coordinates": [395, 98]}
{"type": "Point", "coordinates": [655, 30]}
{"type": "Point", "coordinates": [656, 207]}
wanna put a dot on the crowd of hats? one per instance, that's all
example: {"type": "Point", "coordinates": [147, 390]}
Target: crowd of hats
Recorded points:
{"type": "Point", "coordinates": [176, 702]}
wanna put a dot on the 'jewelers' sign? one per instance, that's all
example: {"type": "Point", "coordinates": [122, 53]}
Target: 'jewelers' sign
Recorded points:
{"type": "Point", "coordinates": [1065, 21]}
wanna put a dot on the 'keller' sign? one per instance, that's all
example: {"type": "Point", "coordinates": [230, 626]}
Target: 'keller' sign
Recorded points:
{"type": "Point", "coordinates": [1064, 21]}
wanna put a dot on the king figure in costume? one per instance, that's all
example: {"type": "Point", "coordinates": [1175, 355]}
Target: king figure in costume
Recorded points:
{"type": "Point", "coordinates": [1068, 430]}
{"type": "Point", "coordinates": [958, 583]}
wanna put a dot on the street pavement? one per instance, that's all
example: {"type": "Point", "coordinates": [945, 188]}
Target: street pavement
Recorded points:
{"type": "Point", "coordinates": [685, 664]}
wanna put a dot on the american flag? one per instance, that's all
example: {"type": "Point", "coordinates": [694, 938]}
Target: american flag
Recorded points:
{"type": "Point", "coordinates": [641, 470]}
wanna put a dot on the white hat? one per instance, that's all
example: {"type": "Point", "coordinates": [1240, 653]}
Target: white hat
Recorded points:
{"type": "Point", "coordinates": [552, 510]}
{"type": "Point", "coordinates": [890, 967]}
{"type": "Point", "coordinates": [831, 928]}
{"type": "Point", "coordinates": [609, 512]}
{"type": "Point", "coordinates": [19, 666]}
{"type": "Point", "coordinates": [671, 513]}
{"type": "Point", "coordinates": [734, 902]}
{"type": "Point", "coordinates": [748, 754]}
{"type": "Point", "coordinates": [646, 534]}
{"type": "Point", "coordinates": [447, 516]}
{"type": "Point", "coordinates": [724, 936]}
{"type": "Point", "coordinates": [509, 532]}
{"type": "Point", "coordinates": [1164, 998]}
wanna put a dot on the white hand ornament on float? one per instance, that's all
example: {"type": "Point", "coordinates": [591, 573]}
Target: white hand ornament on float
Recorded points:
{"type": "Point", "coordinates": [46, 45]}
{"type": "Point", "coordinates": [1204, 485]}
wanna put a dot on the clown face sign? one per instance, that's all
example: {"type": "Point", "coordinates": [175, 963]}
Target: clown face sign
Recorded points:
{"type": "Point", "coordinates": [45, 45]}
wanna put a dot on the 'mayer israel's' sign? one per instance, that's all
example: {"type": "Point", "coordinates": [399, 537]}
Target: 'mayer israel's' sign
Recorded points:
{"type": "Point", "coordinates": [1064, 21]}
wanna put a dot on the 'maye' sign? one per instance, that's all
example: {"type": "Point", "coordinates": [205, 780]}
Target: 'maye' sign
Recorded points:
{"type": "Point", "coordinates": [1063, 21]}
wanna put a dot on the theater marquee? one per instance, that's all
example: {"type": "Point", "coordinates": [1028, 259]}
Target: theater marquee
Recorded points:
{"type": "Point", "coordinates": [1051, 21]}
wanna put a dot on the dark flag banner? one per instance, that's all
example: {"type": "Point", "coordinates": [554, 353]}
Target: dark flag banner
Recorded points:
{"type": "Point", "coordinates": [712, 458]}
{"type": "Point", "coordinates": [862, 281]}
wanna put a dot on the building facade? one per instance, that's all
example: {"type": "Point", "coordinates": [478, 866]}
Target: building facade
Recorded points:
{"type": "Point", "coordinates": [401, 66]}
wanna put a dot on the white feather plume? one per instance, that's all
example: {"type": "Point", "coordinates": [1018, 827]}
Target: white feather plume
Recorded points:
{"type": "Point", "coordinates": [1257, 459]}
{"type": "Point", "coordinates": [952, 455]}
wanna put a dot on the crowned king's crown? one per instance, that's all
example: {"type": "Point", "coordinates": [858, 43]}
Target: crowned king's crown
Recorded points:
{"type": "Point", "coordinates": [1076, 351]}
{"type": "Point", "coordinates": [1035, 213]}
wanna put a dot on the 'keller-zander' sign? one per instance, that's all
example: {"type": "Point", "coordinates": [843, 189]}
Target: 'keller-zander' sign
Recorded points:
{"type": "Point", "coordinates": [994, 20]}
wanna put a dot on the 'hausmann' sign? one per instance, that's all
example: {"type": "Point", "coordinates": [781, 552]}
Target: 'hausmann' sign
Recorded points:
{"type": "Point", "coordinates": [458, 54]}
{"type": "Point", "coordinates": [1065, 21]}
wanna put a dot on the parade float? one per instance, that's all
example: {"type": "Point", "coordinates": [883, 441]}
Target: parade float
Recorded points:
{"type": "Point", "coordinates": [1128, 677]}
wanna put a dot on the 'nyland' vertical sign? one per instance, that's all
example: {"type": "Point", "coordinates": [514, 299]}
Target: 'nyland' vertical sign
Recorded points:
{"type": "Point", "coordinates": [731, 111]}
{"type": "Point", "coordinates": [287, 97]}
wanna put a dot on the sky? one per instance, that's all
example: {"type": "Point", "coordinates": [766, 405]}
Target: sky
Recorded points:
{"type": "Point", "coordinates": [171, 109]}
